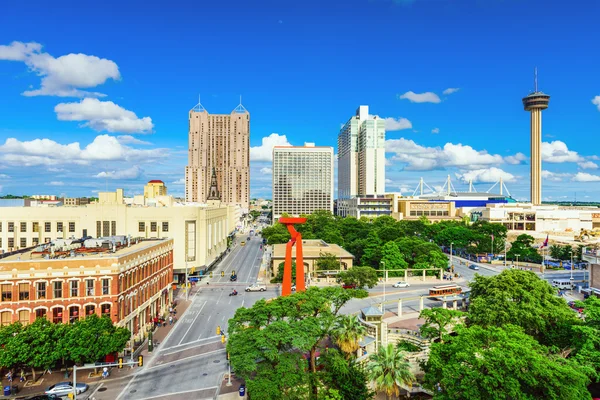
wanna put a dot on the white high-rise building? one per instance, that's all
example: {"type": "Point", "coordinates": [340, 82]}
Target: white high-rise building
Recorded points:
{"type": "Point", "coordinates": [302, 179]}
{"type": "Point", "coordinates": [361, 158]}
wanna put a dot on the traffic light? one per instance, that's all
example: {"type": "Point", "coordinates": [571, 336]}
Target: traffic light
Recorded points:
{"type": "Point", "coordinates": [120, 362]}
{"type": "Point", "coordinates": [140, 361]}
{"type": "Point", "coordinates": [222, 273]}
{"type": "Point", "coordinates": [218, 330]}
{"type": "Point", "coordinates": [233, 272]}
{"type": "Point", "coordinates": [228, 355]}
{"type": "Point", "coordinates": [211, 274]}
{"type": "Point", "coordinates": [193, 270]}
{"type": "Point", "coordinates": [222, 338]}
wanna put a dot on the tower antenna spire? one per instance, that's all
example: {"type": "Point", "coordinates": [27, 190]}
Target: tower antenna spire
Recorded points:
{"type": "Point", "coordinates": [535, 85]}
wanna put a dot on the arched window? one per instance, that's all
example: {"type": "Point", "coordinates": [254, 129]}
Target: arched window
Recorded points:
{"type": "Point", "coordinates": [105, 310]}
{"type": "Point", "coordinates": [5, 318]}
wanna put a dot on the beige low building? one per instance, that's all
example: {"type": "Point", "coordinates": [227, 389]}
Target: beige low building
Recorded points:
{"type": "Point", "coordinates": [312, 250]}
{"type": "Point", "coordinates": [414, 208]}
{"type": "Point", "coordinates": [155, 188]}
{"type": "Point", "coordinates": [200, 231]}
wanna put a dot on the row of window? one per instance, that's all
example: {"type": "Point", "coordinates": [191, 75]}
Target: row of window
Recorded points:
{"type": "Point", "coordinates": [24, 316]}
{"type": "Point", "coordinates": [43, 290]}
{"type": "Point", "coordinates": [153, 227]}
{"type": "Point", "coordinates": [35, 226]}
{"type": "Point", "coordinates": [23, 242]}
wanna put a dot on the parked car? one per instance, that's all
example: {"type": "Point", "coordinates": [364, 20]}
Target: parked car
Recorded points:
{"type": "Point", "coordinates": [401, 284]}
{"type": "Point", "coordinates": [233, 278]}
{"type": "Point", "coordinates": [293, 288]}
{"type": "Point", "coordinates": [64, 388]}
{"type": "Point", "coordinates": [473, 266]}
{"type": "Point", "coordinates": [257, 287]}
{"type": "Point", "coordinates": [574, 307]}
{"type": "Point", "coordinates": [44, 397]}
{"type": "Point", "coordinates": [349, 286]}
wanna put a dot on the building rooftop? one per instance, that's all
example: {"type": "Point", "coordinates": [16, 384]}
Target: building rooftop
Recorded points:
{"type": "Point", "coordinates": [155, 181]}
{"type": "Point", "coordinates": [312, 248]}
{"type": "Point", "coordinates": [69, 249]}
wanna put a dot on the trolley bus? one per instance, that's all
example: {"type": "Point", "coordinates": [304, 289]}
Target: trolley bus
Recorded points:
{"type": "Point", "coordinates": [445, 290]}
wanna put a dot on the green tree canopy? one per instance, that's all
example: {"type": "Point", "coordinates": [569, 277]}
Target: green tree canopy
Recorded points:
{"type": "Point", "coordinates": [328, 262]}
{"type": "Point", "coordinates": [438, 322]}
{"type": "Point", "coordinates": [500, 363]}
{"type": "Point", "coordinates": [391, 258]}
{"type": "Point", "coordinates": [92, 338]}
{"type": "Point", "coordinates": [359, 276]}
{"type": "Point", "coordinates": [521, 298]}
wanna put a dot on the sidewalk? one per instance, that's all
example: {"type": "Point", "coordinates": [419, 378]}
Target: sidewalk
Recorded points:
{"type": "Point", "coordinates": [44, 381]}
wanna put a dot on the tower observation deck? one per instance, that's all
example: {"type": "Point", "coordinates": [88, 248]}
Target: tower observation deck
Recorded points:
{"type": "Point", "coordinates": [534, 103]}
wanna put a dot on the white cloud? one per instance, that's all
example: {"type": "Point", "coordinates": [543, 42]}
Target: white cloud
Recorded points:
{"type": "Point", "coordinates": [389, 181]}
{"type": "Point", "coordinates": [103, 116]}
{"type": "Point", "coordinates": [63, 76]}
{"type": "Point", "coordinates": [422, 158]}
{"type": "Point", "coordinates": [180, 181]}
{"type": "Point", "coordinates": [4, 176]}
{"type": "Point", "coordinates": [128, 139]}
{"type": "Point", "coordinates": [554, 176]}
{"type": "Point", "coordinates": [435, 130]}
{"type": "Point", "coordinates": [266, 171]}
{"type": "Point", "coordinates": [49, 152]}
{"type": "Point", "coordinates": [585, 177]}
{"type": "Point", "coordinates": [450, 91]}
{"type": "Point", "coordinates": [393, 124]}
{"type": "Point", "coordinates": [130, 173]}
{"type": "Point", "coordinates": [557, 152]}
{"type": "Point", "coordinates": [264, 152]}
{"type": "Point", "coordinates": [596, 101]}
{"type": "Point", "coordinates": [588, 165]}
{"type": "Point", "coordinates": [486, 175]}
{"type": "Point", "coordinates": [516, 159]}
{"type": "Point", "coordinates": [427, 97]}
{"type": "Point", "coordinates": [56, 183]}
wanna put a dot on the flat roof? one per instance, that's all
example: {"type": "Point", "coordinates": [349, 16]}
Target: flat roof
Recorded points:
{"type": "Point", "coordinates": [29, 255]}
{"type": "Point", "coordinates": [312, 248]}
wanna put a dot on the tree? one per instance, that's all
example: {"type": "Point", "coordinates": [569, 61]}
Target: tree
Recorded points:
{"type": "Point", "coordinates": [348, 331]}
{"type": "Point", "coordinates": [40, 339]}
{"type": "Point", "coordinates": [348, 378]}
{"type": "Point", "coordinates": [500, 363]}
{"type": "Point", "coordinates": [328, 262]}
{"type": "Point", "coordinates": [389, 369]}
{"type": "Point", "coordinates": [521, 247]}
{"type": "Point", "coordinates": [276, 234]}
{"type": "Point", "coordinates": [521, 298]}
{"type": "Point", "coordinates": [254, 214]}
{"type": "Point", "coordinates": [372, 251]}
{"type": "Point", "coordinates": [268, 343]}
{"type": "Point", "coordinates": [359, 276]}
{"type": "Point", "coordinates": [391, 257]}
{"type": "Point", "coordinates": [586, 338]}
{"type": "Point", "coordinates": [438, 322]}
{"type": "Point", "coordinates": [556, 252]}
{"type": "Point", "coordinates": [279, 277]}
{"type": "Point", "coordinates": [92, 338]}
{"type": "Point", "coordinates": [459, 236]}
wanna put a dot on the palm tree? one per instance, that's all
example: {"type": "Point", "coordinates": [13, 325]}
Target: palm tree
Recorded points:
{"type": "Point", "coordinates": [347, 332]}
{"type": "Point", "coordinates": [389, 369]}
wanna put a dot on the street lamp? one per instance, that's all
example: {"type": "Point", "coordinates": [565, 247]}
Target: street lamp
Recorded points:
{"type": "Point", "coordinates": [383, 304]}
{"type": "Point", "coordinates": [505, 252]}
{"type": "Point", "coordinates": [517, 255]}
{"type": "Point", "coordinates": [451, 253]}
{"type": "Point", "coordinates": [572, 267]}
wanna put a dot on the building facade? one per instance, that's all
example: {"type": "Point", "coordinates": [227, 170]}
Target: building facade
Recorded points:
{"type": "Point", "coordinates": [361, 158]}
{"type": "Point", "coordinates": [220, 142]}
{"type": "Point", "coordinates": [200, 231]}
{"type": "Point", "coordinates": [302, 179]}
{"type": "Point", "coordinates": [369, 206]}
{"type": "Point", "coordinates": [131, 282]}
{"type": "Point", "coordinates": [155, 188]}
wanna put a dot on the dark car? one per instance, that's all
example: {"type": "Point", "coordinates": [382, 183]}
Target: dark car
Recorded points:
{"type": "Point", "coordinates": [473, 266]}
{"type": "Point", "coordinates": [233, 278]}
{"type": "Point", "coordinates": [44, 397]}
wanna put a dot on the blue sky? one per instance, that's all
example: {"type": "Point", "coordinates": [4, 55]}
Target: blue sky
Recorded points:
{"type": "Point", "coordinates": [96, 96]}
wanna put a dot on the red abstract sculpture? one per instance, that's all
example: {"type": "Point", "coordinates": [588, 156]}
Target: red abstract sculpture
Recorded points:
{"type": "Point", "coordinates": [286, 287]}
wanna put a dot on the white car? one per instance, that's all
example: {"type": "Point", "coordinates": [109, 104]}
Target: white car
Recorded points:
{"type": "Point", "coordinates": [64, 388]}
{"type": "Point", "coordinates": [401, 284]}
{"type": "Point", "coordinates": [257, 287]}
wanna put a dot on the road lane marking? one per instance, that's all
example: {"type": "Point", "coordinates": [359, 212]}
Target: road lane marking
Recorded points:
{"type": "Point", "coordinates": [186, 358]}
{"type": "Point", "coordinates": [188, 343]}
{"type": "Point", "coordinates": [192, 324]}
{"type": "Point", "coordinates": [95, 390]}
{"type": "Point", "coordinates": [182, 392]}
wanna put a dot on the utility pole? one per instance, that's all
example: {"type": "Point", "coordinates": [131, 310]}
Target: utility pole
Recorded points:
{"type": "Point", "coordinates": [383, 304]}
{"type": "Point", "coordinates": [451, 264]}
{"type": "Point", "coordinates": [186, 280]}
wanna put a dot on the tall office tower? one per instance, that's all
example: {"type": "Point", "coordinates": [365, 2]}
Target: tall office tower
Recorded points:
{"type": "Point", "coordinates": [361, 158]}
{"type": "Point", "coordinates": [219, 143]}
{"type": "Point", "coordinates": [302, 179]}
{"type": "Point", "coordinates": [535, 103]}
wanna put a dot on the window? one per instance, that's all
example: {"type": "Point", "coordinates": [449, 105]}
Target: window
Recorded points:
{"type": "Point", "coordinates": [105, 228]}
{"type": "Point", "coordinates": [5, 318]}
{"type": "Point", "coordinates": [57, 315]}
{"type": "Point", "coordinates": [23, 242]}
{"type": "Point", "coordinates": [57, 289]}
{"type": "Point", "coordinates": [35, 241]}
{"type": "Point", "coordinates": [59, 226]}
{"type": "Point", "coordinates": [165, 227]}
{"type": "Point", "coordinates": [24, 317]}
{"type": "Point", "coordinates": [90, 309]}
{"type": "Point", "coordinates": [153, 226]}
{"type": "Point", "coordinates": [11, 243]}
{"type": "Point", "coordinates": [142, 227]}
{"type": "Point", "coordinates": [89, 287]}
{"type": "Point", "coordinates": [11, 226]}
{"type": "Point", "coordinates": [105, 310]}
{"type": "Point", "coordinates": [40, 313]}
{"type": "Point", "coordinates": [47, 240]}
{"type": "Point", "coordinates": [71, 226]}
{"type": "Point", "coordinates": [73, 314]}
{"type": "Point", "coordinates": [41, 290]}
{"type": "Point", "coordinates": [113, 228]}
{"type": "Point", "coordinates": [23, 226]}
{"type": "Point", "coordinates": [98, 228]}
{"type": "Point", "coordinates": [23, 291]}
{"type": "Point", "coordinates": [47, 227]}
{"type": "Point", "coordinates": [85, 233]}
{"type": "Point", "coordinates": [105, 286]}
{"type": "Point", "coordinates": [74, 288]}
{"type": "Point", "coordinates": [36, 226]}
{"type": "Point", "coordinates": [6, 292]}
{"type": "Point", "coordinates": [0, 226]}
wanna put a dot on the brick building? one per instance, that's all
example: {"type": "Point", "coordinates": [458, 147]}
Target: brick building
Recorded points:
{"type": "Point", "coordinates": [127, 279]}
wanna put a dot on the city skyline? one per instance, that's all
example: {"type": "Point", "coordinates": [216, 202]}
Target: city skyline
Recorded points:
{"type": "Point", "coordinates": [86, 112]}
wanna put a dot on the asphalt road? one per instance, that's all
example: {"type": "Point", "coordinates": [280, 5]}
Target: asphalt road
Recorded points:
{"type": "Point", "coordinates": [191, 360]}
